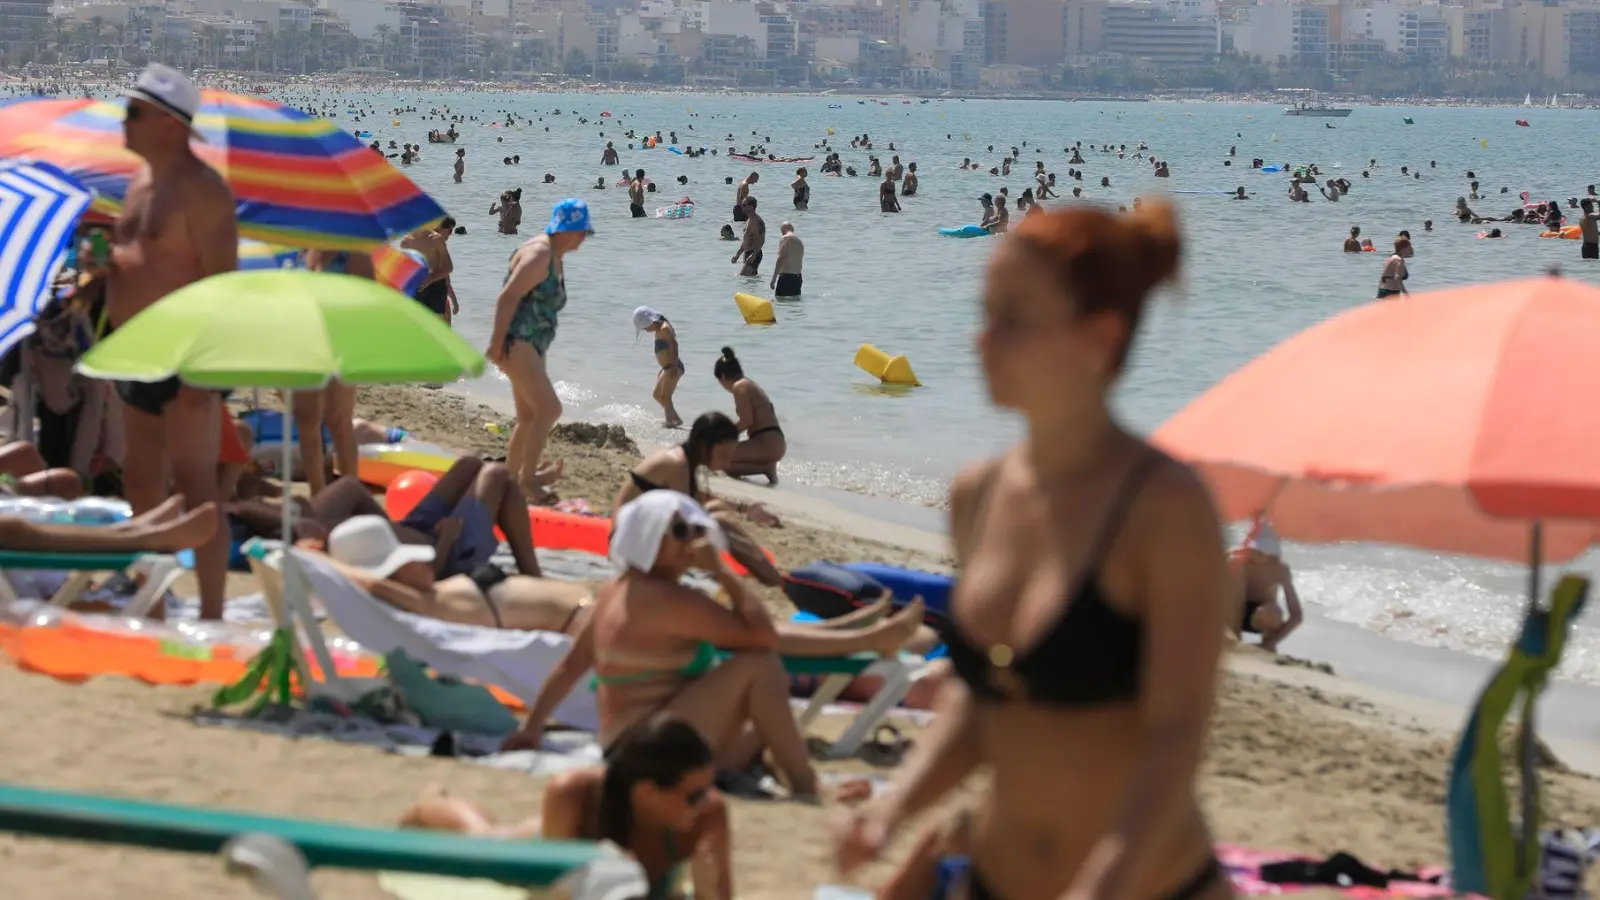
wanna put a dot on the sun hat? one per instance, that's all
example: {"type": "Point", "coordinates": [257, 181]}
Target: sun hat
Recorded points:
{"type": "Point", "coordinates": [168, 90]}
{"type": "Point", "coordinates": [570, 215]}
{"type": "Point", "coordinates": [643, 318]}
{"type": "Point", "coordinates": [368, 543]}
{"type": "Point", "coordinates": [640, 525]}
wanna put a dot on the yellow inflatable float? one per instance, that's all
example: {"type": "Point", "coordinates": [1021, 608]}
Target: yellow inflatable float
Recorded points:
{"type": "Point", "coordinates": [887, 369]}
{"type": "Point", "coordinates": [382, 463]}
{"type": "Point", "coordinates": [756, 310]}
{"type": "Point", "coordinates": [1567, 232]}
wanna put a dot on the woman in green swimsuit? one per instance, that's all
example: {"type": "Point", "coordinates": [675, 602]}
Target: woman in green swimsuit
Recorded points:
{"type": "Point", "coordinates": [525, 315]}
{"type": "Point", "coordinates": [653, 645]}
{"type": "Point", "coordinates": [653, 798]}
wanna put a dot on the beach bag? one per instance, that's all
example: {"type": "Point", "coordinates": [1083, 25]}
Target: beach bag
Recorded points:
{"type": "Point", "coordinates": [447, 703]}
{"type": "Point", "coordinates": [829, 590]}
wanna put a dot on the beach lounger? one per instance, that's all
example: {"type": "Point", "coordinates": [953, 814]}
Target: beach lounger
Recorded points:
{"type": "Point", "coordinates": [520, 661]}
{"type": "Point", "coordinates": [189, 829]}
{"type": "Point", "coordinates": [159, 570]}
{"type": "Point", "coordinates": [1491, 853]}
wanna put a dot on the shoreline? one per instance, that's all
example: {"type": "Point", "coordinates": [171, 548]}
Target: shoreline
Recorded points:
{"type": "Point", "coordinates": [1433, 685]}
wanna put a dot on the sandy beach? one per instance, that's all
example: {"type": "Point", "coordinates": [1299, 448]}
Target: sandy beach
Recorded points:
{"type": "Point", "coordinates": [1298, 759]}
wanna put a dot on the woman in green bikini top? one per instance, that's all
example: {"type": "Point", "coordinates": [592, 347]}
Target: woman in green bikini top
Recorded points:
{"type": "Point", "coordinates": [657, 646]}
{"type": "Point", "coordinates": [654, 798]}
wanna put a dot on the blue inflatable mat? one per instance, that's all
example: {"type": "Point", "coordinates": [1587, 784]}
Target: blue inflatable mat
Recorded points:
{"type": "Point", "coordinates": [908, 583]}
{"type": "Point", "coordinates": [965, 231]}
{"type": "Point", "coordinates": [267, 425]}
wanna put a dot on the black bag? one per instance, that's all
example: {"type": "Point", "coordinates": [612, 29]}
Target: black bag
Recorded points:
{"type": "Point", "coordinates": [829, 590]}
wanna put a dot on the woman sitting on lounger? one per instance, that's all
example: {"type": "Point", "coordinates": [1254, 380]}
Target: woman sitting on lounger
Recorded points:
{"type": "Point", "coordinates": [653, 644]}
{"type": "Point", "coordinates": [713, 438]}
{"type": "Point", "coordinates": [653, 798]}
{"type": "Point", "coordinates": [366, 550]}
{"type": "Point", "coordinates": [165, 529]}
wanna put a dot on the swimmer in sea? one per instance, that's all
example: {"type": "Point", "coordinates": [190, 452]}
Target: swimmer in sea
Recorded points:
{"type": "Point", "coordinates": [802, 189]}
{"type": "Point", "coordinates": [1260, 570]}
{"type": "Point", "coordinates": [1000, 219]}
{"type": "Point", "coordinates": [887, 201]}
{"type": "Point", "coordinates": [1238, 193]}
{"type": "Point", "coordinates": [908, 186]}
{"type": "Point", "coordinates": [645, 320]}
{"type": "Point", "coordinates": [1352, 244]}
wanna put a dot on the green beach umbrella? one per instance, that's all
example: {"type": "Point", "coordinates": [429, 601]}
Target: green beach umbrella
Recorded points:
{"type": "Point", "coordinates": [284, 329]}
{"type": "Point", "coordinates": [288, 329]}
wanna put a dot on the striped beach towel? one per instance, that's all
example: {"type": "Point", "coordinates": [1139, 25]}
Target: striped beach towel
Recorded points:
{"type": "Point", "coordinates": [39, 210]}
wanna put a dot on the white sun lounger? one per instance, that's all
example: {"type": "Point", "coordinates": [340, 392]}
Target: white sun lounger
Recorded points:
{"type": "Point", "coordinates": [519, 661]}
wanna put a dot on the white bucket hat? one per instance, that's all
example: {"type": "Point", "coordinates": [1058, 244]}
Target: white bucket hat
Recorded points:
{"type": "Point", "coordinates": [168, 90]}
{"type": "Point", "coordinates": [368, 543]}
{"type": "Point", "coordinates": [643, 318]}
{"type": "Point", "coordinates": [639, 526]}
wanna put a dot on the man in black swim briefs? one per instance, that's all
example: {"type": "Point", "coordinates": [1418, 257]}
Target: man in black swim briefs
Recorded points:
{"type": "Point", "coordinates": [430, 242]}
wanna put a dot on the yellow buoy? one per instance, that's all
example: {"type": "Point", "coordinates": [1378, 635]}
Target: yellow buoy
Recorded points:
{"type": "Point", "coordinates": [756, 310]}
{"type": "Point", "coordinates": [1484, 143]}
{"type": "Point", "coordinates": [830, 131]}
{"type": "Point", "coordinates": [887, 369]}
{"type": "Point", "coordinates": [397, 123]}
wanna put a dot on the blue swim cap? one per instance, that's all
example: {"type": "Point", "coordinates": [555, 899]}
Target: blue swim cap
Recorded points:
{"type": "Point", "coordinates": [570, 215]}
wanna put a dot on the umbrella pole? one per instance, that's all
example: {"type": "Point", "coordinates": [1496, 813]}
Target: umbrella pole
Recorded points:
{"type": "Point", "coordinates": [1535, 561]}
{"type": "Point", "coordinates": [287, 472]}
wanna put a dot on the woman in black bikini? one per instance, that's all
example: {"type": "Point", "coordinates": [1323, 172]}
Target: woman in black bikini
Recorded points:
{"type": "Point", "coordinates": [764, 445]}
{"type": "Point", "coordinates": [713, 439]}
{"type": "Point", "coordinates": [1085, 635]}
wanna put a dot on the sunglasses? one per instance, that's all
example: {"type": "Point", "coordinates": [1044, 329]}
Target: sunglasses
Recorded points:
{"type": "Point", "coordinates": [683, 531]}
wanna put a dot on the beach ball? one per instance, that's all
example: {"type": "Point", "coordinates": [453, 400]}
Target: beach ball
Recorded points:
{"type": "Point", "coordinates": [406, 491]}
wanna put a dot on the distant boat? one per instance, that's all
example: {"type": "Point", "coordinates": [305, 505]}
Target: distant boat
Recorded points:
{"type": "Point", "coordinates": [1553, 104]}
{"type": "Point", "coordinates": [1317, 108]}
{"type": "Point", "coordinates": [1528, 100]}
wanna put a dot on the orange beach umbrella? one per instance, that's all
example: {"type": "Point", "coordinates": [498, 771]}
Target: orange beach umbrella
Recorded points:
{"type": "Point", "coordinates": [1448, 421]}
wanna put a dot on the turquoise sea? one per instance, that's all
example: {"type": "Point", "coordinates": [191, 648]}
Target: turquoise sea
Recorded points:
{"type": "Point", "coordinates": [1255, 272]}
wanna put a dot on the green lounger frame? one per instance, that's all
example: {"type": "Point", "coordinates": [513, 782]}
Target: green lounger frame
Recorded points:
{"type": "Point", "coordinates": [164, 570]}
{"type": "Point", "coordinates": [188, 829]}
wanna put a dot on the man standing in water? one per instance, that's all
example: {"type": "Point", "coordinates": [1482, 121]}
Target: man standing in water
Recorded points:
{"type": "Point", "coordinates": [755, 238]}
{"type": "Point", "coordinates": [461, 163]}
{"type": "Point", "coordinates": [609, 157]}
{"type": "Point", "coordinates": [636, 194]}
{"type": "Point", "coordinates": [430, 242]}
{"type": "Point", "coordinates": [743, 192]}
{"type": "Point", "coordinates": [887, 201]}
{"type": "Point", "coordinates": [791, 257]}
{"type": "Point", "coordinates": [1588, 230]}
{"type": "Point", "coordinates": [177, 227]}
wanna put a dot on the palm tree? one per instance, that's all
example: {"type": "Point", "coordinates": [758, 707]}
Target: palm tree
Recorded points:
{"type": "Point", "coordinates": [385, 34]}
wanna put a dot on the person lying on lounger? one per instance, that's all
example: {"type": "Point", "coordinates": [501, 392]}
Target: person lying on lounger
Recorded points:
{"type": "Point", "coordinates": [24, 472]}
{"type": "Point", "coordinates": [457, 517]}
{"type": "Point", "coordinates": [165, 529]}
{"type": "Point", "coordinates": [653, 798]}
{"type": "Point", "coordinates": [366, 550]}
{"type": "Point", "coordinates": [653, 645]}
{"type": "Point", "coordinates": [1261, 572]}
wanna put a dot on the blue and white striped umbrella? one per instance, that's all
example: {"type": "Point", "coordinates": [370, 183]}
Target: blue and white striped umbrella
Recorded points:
{"type": "Point", "coordinates": [39, 210]}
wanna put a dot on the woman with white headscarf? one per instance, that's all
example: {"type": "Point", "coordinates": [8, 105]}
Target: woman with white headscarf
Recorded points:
{"type": "Point", "coordinates": [653, 644]}
{"type": "Point", "coordinates": [1258, 564]}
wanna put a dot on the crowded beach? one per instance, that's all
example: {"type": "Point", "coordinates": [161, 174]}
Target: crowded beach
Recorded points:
{"type": "Point", "coordinates": [445, 626]}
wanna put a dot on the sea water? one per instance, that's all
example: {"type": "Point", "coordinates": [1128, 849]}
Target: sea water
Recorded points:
{"type": "Point", "coordinates": [1255, 272]}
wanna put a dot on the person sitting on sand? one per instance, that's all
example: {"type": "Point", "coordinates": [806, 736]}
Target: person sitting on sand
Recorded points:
{"type": "Point", "coordinates": [1258, 565]}
{"type": "Point", "coordinates": [23, 471]}
{"type": "Point", "coordinates": [653, 644]}
{"type": "Point", "coordinates": [654, 798]}
{"type": "Point", "coordinates": [764, 445]}
{"type": "Point", "coordinates": [712, 441]}
{"type": "Point", "coordinates": [164, 529]}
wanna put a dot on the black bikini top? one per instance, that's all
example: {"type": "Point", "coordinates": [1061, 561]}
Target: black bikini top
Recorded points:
{"type": "Point", "coordinates": [1092, 656]}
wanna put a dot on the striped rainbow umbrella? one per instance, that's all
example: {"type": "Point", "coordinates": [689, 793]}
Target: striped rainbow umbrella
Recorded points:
{"type": "Point", "coordinates": [300, 181]}
{"type": "Point", "coordinates": [402, 270]}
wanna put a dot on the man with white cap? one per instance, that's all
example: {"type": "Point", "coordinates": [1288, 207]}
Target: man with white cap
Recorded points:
{"type": "Point", "coordinates": [1259, 566]}
{"type": "Point", "coordinates": [177, 227]}
{"type": "Point", "coordinates": [646, 319]}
